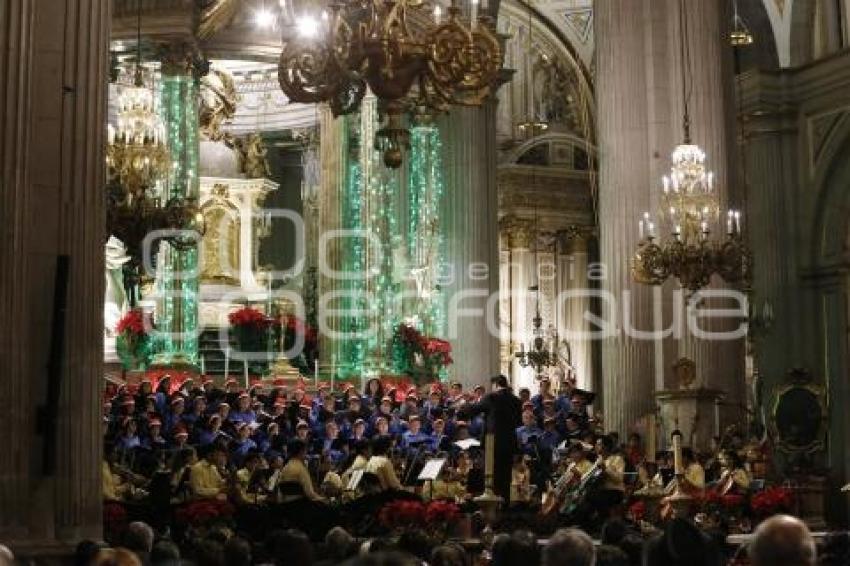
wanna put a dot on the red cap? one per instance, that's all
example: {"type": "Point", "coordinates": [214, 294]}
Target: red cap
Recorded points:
{"type": "Point", "coordinates": [180, 430]}
{"type": "Point", "coordinates": [230, 380]}
{"type": "Point", "coordinates": [528, 405]}
{"type": "Point", "coordinates": [279, 403]}
{"type": "Point", "coordinates": [128, 401]}
{"type": "Point", "coordinates": [177, 399]}
{"type": "Point", "coordinates": [155, 422]}
{"type": "Point", "coordinates": [244, 395]}
{"type": "Point", "coordinates": [206, 379]}
{"type": "Point", "coordinates": [386, 399]}
{"type": "Point", "coordinates": [302, 424]}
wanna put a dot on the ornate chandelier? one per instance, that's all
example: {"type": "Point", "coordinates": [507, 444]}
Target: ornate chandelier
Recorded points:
{"type": "Point", "coordinates": [690, 205]}
{"type": "Point", "coordinates": [538, 355]}
{"type": "Point", "coordinates": [407, 57]}
{"type": "Point", "coordinates": [136, 150]}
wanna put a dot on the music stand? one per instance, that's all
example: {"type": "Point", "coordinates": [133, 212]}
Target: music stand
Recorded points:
{"type": "Point", "coordinates": [431, 471]}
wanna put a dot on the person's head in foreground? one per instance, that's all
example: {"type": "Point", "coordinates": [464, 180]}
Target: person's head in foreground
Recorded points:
{"type": "Point", "coordinates": [783, 540]}
{"type": "Point", "coordinates": [569, 547]}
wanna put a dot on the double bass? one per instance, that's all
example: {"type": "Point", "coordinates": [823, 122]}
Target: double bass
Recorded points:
{"type": "Point", "coordinates": [568, 494]}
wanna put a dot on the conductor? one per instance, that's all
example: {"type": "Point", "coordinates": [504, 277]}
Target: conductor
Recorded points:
{"type": "Point", "coordinates": [502, 411]}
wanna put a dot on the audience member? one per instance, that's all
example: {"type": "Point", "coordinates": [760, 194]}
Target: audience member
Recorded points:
{"type": "Point", "coordinates": [569, 547]}
{"type": "Point", "coordinates": [782, 540]}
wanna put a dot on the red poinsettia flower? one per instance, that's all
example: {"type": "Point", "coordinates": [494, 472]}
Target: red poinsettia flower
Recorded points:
{"type": "Point", "coordinates": [132, 323]}
{"type": "Point", "coordinates": [248, 316]}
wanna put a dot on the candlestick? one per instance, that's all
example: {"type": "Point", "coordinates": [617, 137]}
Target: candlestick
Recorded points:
{"type": "Point", "coordinates": [245, 372]}
{"type": "Point", "coordinates": [677, 455]}
{"type": "Point", "coordinates": [489, 452]}
{"type": "Point", "coordinates": [226, 365]}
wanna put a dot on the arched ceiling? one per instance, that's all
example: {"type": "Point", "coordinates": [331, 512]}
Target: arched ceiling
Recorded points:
{"type": "Point", "coordinates": [574, 20]}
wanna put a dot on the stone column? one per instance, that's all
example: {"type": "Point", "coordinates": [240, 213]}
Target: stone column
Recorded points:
{"type": "Point", "coordinates": [572, 325]}
{"type": "Point", "coordinates": [623, 125]}
{"type": "Point", "coordinates": [520, 234]}
{"type": "Point", "coordinates": [333, 155]}
{"type": "Point", "coordinates": [639, 94]}
{"type": "Point", "coordinates": [470, 224]}
{"type": "Point", "coordinates": [53, 60]}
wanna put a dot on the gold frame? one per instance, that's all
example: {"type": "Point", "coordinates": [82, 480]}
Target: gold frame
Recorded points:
{"type": "Point", "coordinates": [799, 379]}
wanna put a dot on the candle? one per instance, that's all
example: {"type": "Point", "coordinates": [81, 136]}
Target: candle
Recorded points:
{"type": "Point", "coordinates": [226, 365]}
{"type": "Point", "coordinates": [438, 15]}
{"type": "Point", "coordinates": [677, 455]}
{"type": "Point", "coordinates": [316, 375]}
{"type": "Point", "coordinates": [245, 367]}
{"type": "Point", "coordinates": [650, 438]}
{"type": "Point", "coordinates": [474, 17]}
{"type": "Point", "coordinates": [333, 370]}
{"type": "Point", "coordinates": [640, 228]}
{"type": "Point", "coordinates": [203, 368]}
{"type": "Point", "coordinates": [666, 180]}
{"type": "Point", "coordinates": [738, 221]}
{"type": "Point", "coordinates": [488, 460]}
{"type": "Point", "coordinates": [651, 229]}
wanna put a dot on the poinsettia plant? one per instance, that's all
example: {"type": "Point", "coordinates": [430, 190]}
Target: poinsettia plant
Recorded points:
{"type": "Point", "coordinates": [133, 340]}
{"type": "Point", "coordinates": [251, 328]}
{"type": "Point", "coordinates": [421, 357]}
{"type": "Point", "coordinates": [771, 501]}
{"type": "Point", "coordinates": [438, 518]}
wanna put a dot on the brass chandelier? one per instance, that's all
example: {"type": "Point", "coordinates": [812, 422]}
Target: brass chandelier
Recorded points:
{"type": "Point", "coordinates": [538, 356]}
{"type": "Point", "coordinates": [689, 203]}
{"type": "Point", "coordinates": [404, 51]}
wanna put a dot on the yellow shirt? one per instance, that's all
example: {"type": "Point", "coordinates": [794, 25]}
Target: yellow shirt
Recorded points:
{"type": "Point", "coordinates": [111, 485]}
{"type": "Point", "coordinates": [205, 480]}
{"type": "Point", "coordinates": [383, 469]}
{"type": "Point", "coordinates": [296, 472]}
{"type": "Point", "coordinates": [615, 469]}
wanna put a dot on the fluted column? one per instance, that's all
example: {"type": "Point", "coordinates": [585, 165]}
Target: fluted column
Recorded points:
{"type": "Point", "coordinates": [470, 224]}
{"type": "Point", "coordinates": [640, 100]}
{"type": "Point", "coordinates": [519, 237]}
{"type": "Point", "coordinates": [53, 60]}
{"type": "Point", "coordinates": [333, 156]}
{"type": "Point", "coordinates": [572, 325]}
{"type": "Point", "coordinates": [624, 137]}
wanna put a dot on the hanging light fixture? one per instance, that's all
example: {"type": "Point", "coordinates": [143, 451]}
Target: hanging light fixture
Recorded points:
{"type": "Point", "coordinates": [139, 162]}
{"type": "Point", "coordinates": [538, 356]}
{"type": "Point", "coordinates": [690, 205]}
{"type": "Point", "coordinates": [136, 151]}
{"type": "Point", "coordinates": [740, 34]}
{"type": "Point", "coordinates": [332, 51]}
{"type": "Point", "coordinates": [531, 127]}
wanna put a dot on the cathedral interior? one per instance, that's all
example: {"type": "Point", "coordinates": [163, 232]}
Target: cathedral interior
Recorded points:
{"type": "Point", "coordinates": [645, 201]}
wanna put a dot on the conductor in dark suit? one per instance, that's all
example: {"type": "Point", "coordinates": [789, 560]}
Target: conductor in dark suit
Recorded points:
{"type": "Point", "coordinates": [502, 411]}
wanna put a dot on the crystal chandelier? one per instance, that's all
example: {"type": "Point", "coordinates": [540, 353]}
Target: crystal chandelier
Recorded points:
{"type": "Point", "coordinates": [407, 55]}
{"type": "Point", "coordinates": [136, 150]}
{"type": "Point", "coordinates": [740, 35]}
{"type": "Point", "coordinates": [691, 210]}
{"type": "Point", "coordinates": [538, 355]}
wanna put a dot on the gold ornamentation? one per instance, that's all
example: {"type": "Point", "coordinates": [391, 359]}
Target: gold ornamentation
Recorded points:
{"type": "Point", "coordinates": [220, 258]}
{"type": "Point", "coordinates": [685, 371]}
{"type": "Point", "coordinates": [218, 104]}
{"type": "Point", "coordinates": [799, 414]}
{"type": "Point", "coordinates": [252, 156]}
{"type": "Point", "coordinates": [373, 43]}
{"type": "Point", "coordinates": [216, 16]}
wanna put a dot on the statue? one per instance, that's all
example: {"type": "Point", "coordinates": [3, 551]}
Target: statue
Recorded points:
{"type": "Point", "coordinates": [252, 156]}
{"type": "Point", "coordinates": [218, 104]}
{"type": "Point", "coordinates": [115, 302]}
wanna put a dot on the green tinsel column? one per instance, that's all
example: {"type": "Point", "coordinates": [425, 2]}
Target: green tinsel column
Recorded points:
{"type": "Point", "coordinates": [177, 284]}
{"type": "Point", "coordinates": [424, 239]}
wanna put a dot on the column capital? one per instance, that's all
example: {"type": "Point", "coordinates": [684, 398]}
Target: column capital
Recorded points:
{"type": "Point", "coordinates": [574, 239]}
{"type": "Point", "coordinates": [518, 232]}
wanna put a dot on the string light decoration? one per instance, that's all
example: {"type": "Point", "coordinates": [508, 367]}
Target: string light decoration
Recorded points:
{"type": "Point", "coordinates": [425, 242]}
{"type": "Point", "coordinates": [690, 204]}
{"type": "Point", "coordinates": [177, 315]}
{"type": "Point", "coordinates": [396, 50]}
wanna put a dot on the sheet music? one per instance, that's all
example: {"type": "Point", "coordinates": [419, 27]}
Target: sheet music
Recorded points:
{"type": "Point", "coordinates": [467, 444]}
{"type": "Point", "coordinates": [431, 469]}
